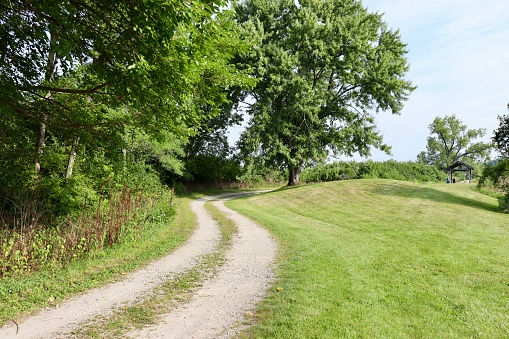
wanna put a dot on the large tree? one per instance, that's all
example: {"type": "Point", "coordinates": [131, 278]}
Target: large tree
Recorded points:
{"type": "Point", "coordinates": [324, 68]}
{"type": "Point", "coordinates": [450, 140]}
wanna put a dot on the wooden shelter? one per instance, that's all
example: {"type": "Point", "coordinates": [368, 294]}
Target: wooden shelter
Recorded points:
{"type": "Point", "coordinates": [459, 166]}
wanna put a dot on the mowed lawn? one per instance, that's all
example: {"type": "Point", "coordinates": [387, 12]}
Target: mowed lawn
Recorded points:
{"type": "Point", "coordinates": [384, 259]}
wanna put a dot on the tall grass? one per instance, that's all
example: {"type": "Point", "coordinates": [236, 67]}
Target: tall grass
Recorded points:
{"type": "Point", "coordinates": [384, 259]}
{"type": "Point", "coordinates": [28, 244]}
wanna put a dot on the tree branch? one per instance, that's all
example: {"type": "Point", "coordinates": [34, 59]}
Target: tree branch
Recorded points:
{"type": "Point", "coordinates": [63, 90]}
{"type": "Point", "coordinates": [442, 137]}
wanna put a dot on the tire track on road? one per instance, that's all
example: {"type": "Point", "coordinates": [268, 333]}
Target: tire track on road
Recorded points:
{"type": "Point", "coordinates": [219, 306]}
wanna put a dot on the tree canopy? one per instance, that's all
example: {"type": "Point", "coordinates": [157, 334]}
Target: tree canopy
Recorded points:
{"type": "Point", "coordinates": [497, 173]}
{"type": "Point", "coordinates": [102, 85]}
{"type": "Point", "coordinates": [450, 140]}
{"type": "Point", "coordinates": [501, 136]}
{"type": "Point", "coordinates": [324, 68]}
{"type": "Point", "coordinates": [95, 70]}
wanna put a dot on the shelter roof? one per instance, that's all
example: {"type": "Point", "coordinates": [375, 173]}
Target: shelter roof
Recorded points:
{"type": "Point", "coordinates": [461, 165]}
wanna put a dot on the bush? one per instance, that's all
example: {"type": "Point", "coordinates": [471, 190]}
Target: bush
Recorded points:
{"type": "Point", "coordinates": [503, 203]}
{"type": "Point", "coordinates": [212, 169]}
{"type": "Point", "coordinates": [495, 181]}
{"type": "Point", "coordinates": [495, 174]}
{"type": "Point", "coordinates": [343, 170]}
{"type": "Point", "coordinates": [31, 245]}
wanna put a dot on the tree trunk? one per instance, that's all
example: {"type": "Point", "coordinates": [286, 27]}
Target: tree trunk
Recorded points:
{"type": "Point", "coordinates": [294, 175]}
{"type": "Point", "coordinates": [50, 71]}
{"type": "Point", "coordinates": [124, 155]}
{"type": "Point", "coordinates": [72, 157]}
{"type": "Point", "coordinates": [52, 58]}
{"type": "Point", "coordinates": [40, 148]}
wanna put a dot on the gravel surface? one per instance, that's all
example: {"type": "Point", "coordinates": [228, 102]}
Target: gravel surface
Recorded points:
{"type": "Point", "coordinates": [213, 312]}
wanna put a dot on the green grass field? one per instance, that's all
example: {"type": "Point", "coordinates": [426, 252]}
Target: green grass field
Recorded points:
{"type": "Point", "coordinates": [384, 259]}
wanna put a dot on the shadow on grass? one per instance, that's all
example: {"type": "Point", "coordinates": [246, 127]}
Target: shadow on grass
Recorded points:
{"type": "Point", "coordinates": [246, 194]}
{"type": "Point", "coordinates": [426, 193]}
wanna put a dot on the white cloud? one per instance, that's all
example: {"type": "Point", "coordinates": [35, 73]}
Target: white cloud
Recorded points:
{"type": "Point", "coordinates": [459, 59]}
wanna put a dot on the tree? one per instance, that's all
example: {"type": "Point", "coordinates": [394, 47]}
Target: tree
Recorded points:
{"type": "Point", "coordinates": [450, 141]}
{"type": "Point", "coordinates": [88, 70]}
{"type": "Point", "coordinates": [91, 89]}
{"type": "Point", "coordinates": [501, 136]}
{"type": "Point", "coordinates": [323, 67]}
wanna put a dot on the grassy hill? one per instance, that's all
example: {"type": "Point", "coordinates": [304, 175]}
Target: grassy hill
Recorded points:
{"type": "Point", "coordinates": [384, 259]}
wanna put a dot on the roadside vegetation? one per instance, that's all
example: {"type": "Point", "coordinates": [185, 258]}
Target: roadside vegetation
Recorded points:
{"type": "Point", "coordinates": [23, 294]}
{"type": "Point", "coordinates": [347, 170]}
{"type": "Point", "coordinates": [383, 259]}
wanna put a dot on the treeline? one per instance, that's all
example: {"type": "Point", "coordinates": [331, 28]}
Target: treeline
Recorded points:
{"type": "Point", "coordinates": [347, 170]}
{"type": "Point", "coordinates": [321, 172]}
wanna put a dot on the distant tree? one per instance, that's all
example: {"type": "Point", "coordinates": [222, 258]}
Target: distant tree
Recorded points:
{"type": "Point", "coordinates": [501, 136]}
{"type": "Point", "coordinates": [212, 134]}
{"type": "Point", "coordinates": [323, 67]}
{"type": "Point", "coordinates": [450, 140]}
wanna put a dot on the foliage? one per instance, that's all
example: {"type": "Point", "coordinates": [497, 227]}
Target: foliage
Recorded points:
{"type": "Point", "coordinates": [158, 58]}
{"type": "Point", "coordinates": [212, 135]}
{"type": "Point", "coordinates": [32, 246]}
{"type": "Point", "coordinates": [208, 155]}
{"type": "Point", "coordinates": [503, 202]}
{"type": "Point", "coordinates": [163, 155]}
{"type": "Point", "coordinates": [501, 136]}
{"type": "Point", "coordinates": [23, 295]}
{"type": "Point", "coordinates": [497, 175]}
{"type": "Point", "coordinates": [101, 91]}
{"type": "Point", "coordinates": [258, 174]}
{"type": "Point", "coordinates": [213, 169]}
{"type": "Point", "coordinates": [342, 170]}
{"type": "Point", "coordinates": [450, 141]}
{"type": "Point", "coordinates": [323, 68]}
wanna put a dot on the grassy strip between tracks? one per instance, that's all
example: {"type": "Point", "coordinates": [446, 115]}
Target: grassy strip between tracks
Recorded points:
{"type": "Point", "coordinates": [162, 300]}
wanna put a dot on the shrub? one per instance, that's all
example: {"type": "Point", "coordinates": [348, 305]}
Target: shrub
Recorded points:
{"type": "Point", "coordinates": [211, 168]}
{"type": "Point", "coordinates": [29, 245]}
{"type": "Point", "coordinates": [503, 203]}
{"type": "Point", "coordinates": [346, 170]}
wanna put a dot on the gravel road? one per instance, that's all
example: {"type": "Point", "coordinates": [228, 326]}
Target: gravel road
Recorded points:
{"type": "Point", "coordinates": [214, 311]}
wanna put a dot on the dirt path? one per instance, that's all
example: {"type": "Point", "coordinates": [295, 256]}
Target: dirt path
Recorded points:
{"type": "Point", "coordinates": [211, 313]}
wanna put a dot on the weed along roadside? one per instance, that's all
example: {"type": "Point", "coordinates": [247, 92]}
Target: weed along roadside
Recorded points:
{"type": "Point", "coordinates": [163, 231]}
{"type": "Point", "coordinates": [144, 296]}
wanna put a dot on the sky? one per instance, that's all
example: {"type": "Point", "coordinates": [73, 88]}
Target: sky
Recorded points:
{"type": "Point", "coordinates": [458, 52]}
